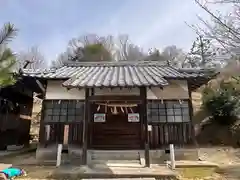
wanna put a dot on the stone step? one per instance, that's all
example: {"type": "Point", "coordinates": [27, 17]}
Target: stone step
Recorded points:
{"type": "Point", "coordinates": [117, 163]}
{"type": "Point", "coordinates": [115, 155]}
{"type": "Point", "coordinates": [107, 172]}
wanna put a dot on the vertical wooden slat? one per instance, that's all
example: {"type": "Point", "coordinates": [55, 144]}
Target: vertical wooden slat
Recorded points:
{"type": "Point", "coordinates": [164, 134]}
{"type": "Point", "coordinates": [157, 138]}
{"type": "Point", "coordinates": [143, 113]}
{"type": "Point", "coordinates": [75, 133]}
{"type": "Point", "coordinates": [41, 136]}
{"type": "Point", "coordinates": [192, 132]}
{"type": "Point", "coordinates": [85, 127]}
{"type": "Point", "coordinates": [66, 134]}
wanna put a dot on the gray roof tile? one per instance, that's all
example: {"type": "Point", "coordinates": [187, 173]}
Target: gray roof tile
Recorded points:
{"type": "Point", "coordinates": [112, 74]}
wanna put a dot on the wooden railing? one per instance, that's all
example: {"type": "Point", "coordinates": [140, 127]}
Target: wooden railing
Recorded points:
{"type": "Point", "coordinates": [75, 133]}
{"type": "Point", "coordinates": [163, 134]}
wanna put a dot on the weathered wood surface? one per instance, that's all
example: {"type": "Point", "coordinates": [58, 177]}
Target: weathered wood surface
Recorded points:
{"type": "Point", "coordinates": [163, 134]}
{"type": "Point", "coordinates": [116, 133]}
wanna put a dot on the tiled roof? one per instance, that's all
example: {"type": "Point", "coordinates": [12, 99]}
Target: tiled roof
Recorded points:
{"type": "Point", "coordinates": [112, 74]}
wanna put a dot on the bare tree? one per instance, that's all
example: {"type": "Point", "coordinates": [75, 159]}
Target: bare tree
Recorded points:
{"type": "Point", "coordinates": [202, 53]}
{"type": "Point", "coordinates": [126, 50]}
{"type": "Point", "coordinates": [225, 31]}
{"type": "Point", "coordinates": [93, 48]}
{"type": "Point", "coordinates": [61, 59]}
{"type": "Point", "coordinates": [33, 58]}
{"type": "Point", "coordinates": [90, 48]}
{"type": "Point", "coordinates": [225, 1]}
{"type": "Point", "coordinates": [173, 56]}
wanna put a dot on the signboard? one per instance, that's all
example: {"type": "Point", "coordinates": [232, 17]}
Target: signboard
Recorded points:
{"type": "Point", "coordinates": [99, 117]}
{"type": "Point", "coordinates": [133, 117]}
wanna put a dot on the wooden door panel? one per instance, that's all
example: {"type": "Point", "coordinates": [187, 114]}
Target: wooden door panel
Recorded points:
{"type": "Point", "coordinates": [116, 133]}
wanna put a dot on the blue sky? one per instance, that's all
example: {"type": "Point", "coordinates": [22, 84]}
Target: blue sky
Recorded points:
{"type": "Point", "coordinates": [50, 24]}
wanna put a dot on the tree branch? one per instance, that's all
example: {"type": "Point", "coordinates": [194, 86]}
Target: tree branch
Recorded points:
{"type": "Point", "coordinates": [232, 31]}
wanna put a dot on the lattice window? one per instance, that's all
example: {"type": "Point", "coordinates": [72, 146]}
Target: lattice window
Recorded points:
{"type": "Point", "coordinates": [63, 110]}
{"type": "Point", "coordinates": [168, 111]}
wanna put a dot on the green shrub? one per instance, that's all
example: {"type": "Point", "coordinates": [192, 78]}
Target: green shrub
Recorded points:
{"type": "Point", "coordinates": [222, 103]}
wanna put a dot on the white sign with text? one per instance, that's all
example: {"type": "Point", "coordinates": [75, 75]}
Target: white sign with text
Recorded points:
{"type": "Point", "coordinates": [133, 117]}
{"type": "Point", "coordinates": [99, 117]}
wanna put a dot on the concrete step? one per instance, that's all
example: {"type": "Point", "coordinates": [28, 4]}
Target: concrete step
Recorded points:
{"type": "Point", "coordinates": [114, 155]}
{"type": "Point", "coordinates": [48, 153]}
{"type": "Point", "coordinates": [117, 163]}
{"type": "Point", "coordinates": [106, 172]}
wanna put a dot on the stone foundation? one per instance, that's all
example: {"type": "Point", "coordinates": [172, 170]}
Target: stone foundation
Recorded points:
{"type": "Point", "coordinates": [160, 157]}
{"type": "Point", "coordinates": [49, 155]}
{"type": "Point", "coordinates": [74, 155]}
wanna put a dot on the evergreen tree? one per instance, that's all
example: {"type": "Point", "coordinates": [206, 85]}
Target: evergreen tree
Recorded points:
{"type": "Point", "coordinates": [7, 57]}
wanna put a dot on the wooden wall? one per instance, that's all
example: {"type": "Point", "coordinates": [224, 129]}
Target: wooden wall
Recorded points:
{"type": "Point", "coordinates": [163, 134]}
{"type": "Point", "coordinates": [14, 129]}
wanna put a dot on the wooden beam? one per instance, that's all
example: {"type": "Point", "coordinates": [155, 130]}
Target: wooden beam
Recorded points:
{"type": "Point", "coordinates": [41, 86]}
{"type": "Point", "coordinates": [85, 127]}
{"type": "Point", "coordinates": [114, 98]}
{"type": "Point", "coordinates": [143, 94]}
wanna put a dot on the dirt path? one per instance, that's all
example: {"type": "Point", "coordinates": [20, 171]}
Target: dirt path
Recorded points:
{"type": "Point", "coordinates": [28, 162]}
{"type": "Point", "coordinates": [227, 158]}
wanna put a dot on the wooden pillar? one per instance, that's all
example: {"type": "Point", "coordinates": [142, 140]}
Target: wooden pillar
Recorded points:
{"type": "Point", "coordinates": [85, 127]}
{"type": "Point", "coordinates": [193, 137]}
{"type": "Point", "coordinates": [41, 137]}
{"type": "Point", "coordinates": [143, 94]}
